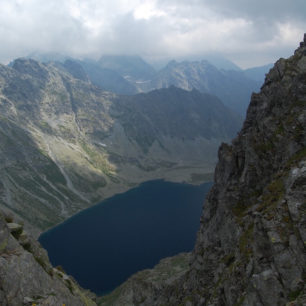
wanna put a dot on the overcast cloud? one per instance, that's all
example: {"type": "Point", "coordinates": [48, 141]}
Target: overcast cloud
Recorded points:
{"type": "Point", "coordinates": [248, 32]}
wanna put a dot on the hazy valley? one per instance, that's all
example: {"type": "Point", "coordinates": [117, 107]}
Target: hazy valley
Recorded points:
{"type": "Point", "coordinates": [67, 144]}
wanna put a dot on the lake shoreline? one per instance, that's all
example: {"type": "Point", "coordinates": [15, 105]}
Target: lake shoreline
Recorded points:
{"type": "Point", "coordinates": [182, 175]}
{"type": "Point", "coordinates": [158, 210]}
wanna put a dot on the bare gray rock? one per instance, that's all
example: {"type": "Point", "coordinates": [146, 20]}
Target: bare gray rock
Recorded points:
{"type": "Point", "coordinates": [26, 275]}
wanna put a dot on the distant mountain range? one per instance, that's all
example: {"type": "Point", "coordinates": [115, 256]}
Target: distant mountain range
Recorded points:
{"type": "Point", "coordinates": [67, 144]}
{"type": "Point", "coordinates": [131, 75]}
{"type": "Point", "coordinates": [233, 87]}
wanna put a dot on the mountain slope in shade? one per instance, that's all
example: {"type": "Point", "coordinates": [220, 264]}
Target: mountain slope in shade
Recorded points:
{"type": "Point", "coordinates": [195, 115]}
{"type": "Point", "coordinates": [217, 76]}
{"type": "Point", "coordinates": [66, 144]}
{"type": "Point", "coordinates": [250, 248]}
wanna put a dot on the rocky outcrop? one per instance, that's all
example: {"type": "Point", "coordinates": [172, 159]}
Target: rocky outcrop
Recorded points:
{"type": "Point", "coordinates": [250, 248]}
{"type": "Point", "coordinates": [26, 275]}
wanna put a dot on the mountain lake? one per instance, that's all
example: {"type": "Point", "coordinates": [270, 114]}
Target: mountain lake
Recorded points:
{"type": "Point", "coordinates": [105, 244]}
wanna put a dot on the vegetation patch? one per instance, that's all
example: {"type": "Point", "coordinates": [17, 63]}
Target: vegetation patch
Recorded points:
{"type": "Point", "coordinates": [240, 301]}
{"type": "Point", "coordinates": [270, 198]}
{"type": "Point", "coordinates": [60, 268]}
{"type": "Point", "coordinates": [296, 158]}
{"type": "Point", "coordinates": [41, 262]}
{"type": "Point", "coordinates": [65, 132]}
{"type": "Point", "coordinates": [228, 259]}
{"type": "Point", "coordinates": [280, 129]}
{"type": "Point", "coordinates": [293, 295]}
{"type": "Point", "coordinates": [246, 240]}
{"type": "Point", "coordinates": [9, 219]}
{"type": "Point", "coordinates": [53, 173]}
{"type": "Point", "coordinates": [69, 285]}
{"type": "Point", "coordinates": [3, 244]}
{"type": "Point", "coordinates": [16, 233]}
{"type": "Point", "coordinates": [45, 127]}
{"type": "Point", "coordinates": [264, 147]}
{"type": "Point", "coordinates": [98, 160]}
{"type": "Point", "coordinates": [239, 209]}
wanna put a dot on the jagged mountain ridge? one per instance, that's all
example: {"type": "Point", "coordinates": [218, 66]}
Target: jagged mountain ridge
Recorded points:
{"type": "Point", "coordinates": [131, 75]}
{"type": "Point", "coordinates": [233, 88]}
{"type": "Point", "coordinates": [250, 248]}
{"type": "Point", "coordinates": [66, 144]}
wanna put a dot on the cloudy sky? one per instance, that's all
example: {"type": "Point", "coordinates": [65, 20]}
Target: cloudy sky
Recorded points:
{"type": "Point", "coordinates": [248, 32]}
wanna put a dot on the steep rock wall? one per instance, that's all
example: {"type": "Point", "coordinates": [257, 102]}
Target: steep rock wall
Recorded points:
{"type": "Point", "coordinates": [26, 275]}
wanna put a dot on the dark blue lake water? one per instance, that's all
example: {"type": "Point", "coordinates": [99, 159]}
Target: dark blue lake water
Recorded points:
{"type": "Point", "coordinates": [103, 245]}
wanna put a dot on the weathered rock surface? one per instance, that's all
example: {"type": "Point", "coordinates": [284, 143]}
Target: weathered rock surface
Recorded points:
{"type": "Point", "coordinates": [26, 275]}
{"type": "Point", "coordinates": [250, 248]}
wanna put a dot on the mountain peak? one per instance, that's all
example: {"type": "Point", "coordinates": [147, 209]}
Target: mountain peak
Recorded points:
{"type": "Point", "coordinates": [30, 67]}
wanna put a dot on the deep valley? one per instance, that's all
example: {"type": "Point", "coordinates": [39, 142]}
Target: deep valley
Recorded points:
{"type": "Point", "coordinates": [67, 144]}
{"type": "Point", "coordinates": [76, 132]}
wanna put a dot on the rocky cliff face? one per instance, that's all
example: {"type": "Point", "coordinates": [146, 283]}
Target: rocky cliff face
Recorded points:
{"type": "Point", "coordinates": [26, 275]}
{"type": "Point", "coordinates": [250, 248]}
